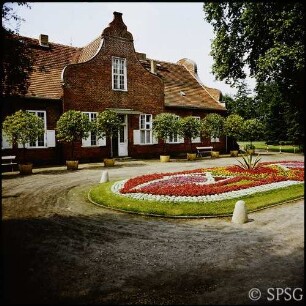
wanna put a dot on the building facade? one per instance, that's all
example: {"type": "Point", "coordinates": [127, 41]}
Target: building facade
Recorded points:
{"type": "Point", "coordinates": [109, 74]}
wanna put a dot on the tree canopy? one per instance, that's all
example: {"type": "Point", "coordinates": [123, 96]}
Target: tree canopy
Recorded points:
{"type": "Point", "coordinates": [164, 126]}
{"type": "Point", "coordinates": [72, 126]}
{"type": "Point", "coordinates": [267, 39]}
{"type": "Point", "coordinates": [22, 128]}
{"type": "Point", "coordinates": [17, 57]}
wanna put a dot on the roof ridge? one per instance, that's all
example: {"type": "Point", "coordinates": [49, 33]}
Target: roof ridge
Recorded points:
{"type": "Point", "coordinates": [202, 85]}
{"type": "Point", "coordinates": [148, 58]}
{"type": "Point", "coordinates": [98, 37]}
{"type": "Point", "coordinates": [50, 42]}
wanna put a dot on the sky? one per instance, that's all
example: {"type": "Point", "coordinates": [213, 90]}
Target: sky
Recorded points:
{"type": "Point", "coordinates": [166, 31]}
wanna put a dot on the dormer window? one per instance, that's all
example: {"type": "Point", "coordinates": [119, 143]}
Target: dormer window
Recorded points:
{"type": "Point", "coordinates": [119, 75]}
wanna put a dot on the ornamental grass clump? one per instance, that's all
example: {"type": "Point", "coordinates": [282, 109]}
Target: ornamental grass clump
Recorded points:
{"type": "Point", "coordinates": [248, 163]}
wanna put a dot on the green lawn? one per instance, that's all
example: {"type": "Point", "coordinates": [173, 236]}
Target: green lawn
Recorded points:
{"type": "Point", "coordinates": [275, 148]}
{"type": "Point", "coordinates": [102, 195]}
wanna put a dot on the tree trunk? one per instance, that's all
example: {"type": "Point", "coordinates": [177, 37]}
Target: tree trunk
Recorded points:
{"type": "Point", "coordinates": [23, 153]}
{"type": "Point", "coordinates": [111, 146]}
{"type": "Point", "coordinates": [72, 150]}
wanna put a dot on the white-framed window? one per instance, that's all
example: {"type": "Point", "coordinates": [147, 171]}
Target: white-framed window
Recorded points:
{"type": "Point", "coordinates": [175, 138]}
{"type": "Point", "coordinates": [214, 139]}
{"type": "Point", "coordinates": [145, 127]}
{"type": "Point", "coordinates": [119, 74]}
{"type": "Point", "coordinates": [41, 140]}
{"type": "Point", "coordinates": [92, 140]}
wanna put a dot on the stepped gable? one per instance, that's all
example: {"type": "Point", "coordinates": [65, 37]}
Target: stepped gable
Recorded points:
{"type": "Point", "coordinates": [117, 28]}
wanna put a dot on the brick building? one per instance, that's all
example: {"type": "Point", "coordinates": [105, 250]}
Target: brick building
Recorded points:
{"type": "Point", "coordinates": [109, 74]}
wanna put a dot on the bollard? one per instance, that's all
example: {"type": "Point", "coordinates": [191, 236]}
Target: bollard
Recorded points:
{"type": "Point", "coordinates": [104, 177]}
{"type": "Point", "coordinates": [240, 214]}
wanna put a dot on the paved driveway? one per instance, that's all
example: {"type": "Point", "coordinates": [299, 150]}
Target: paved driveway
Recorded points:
{"type": "Point", "coordinates": [59, 248]}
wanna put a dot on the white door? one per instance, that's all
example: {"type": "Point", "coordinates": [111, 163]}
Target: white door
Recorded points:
{"type": "Point", "coordinates": [123, 137]}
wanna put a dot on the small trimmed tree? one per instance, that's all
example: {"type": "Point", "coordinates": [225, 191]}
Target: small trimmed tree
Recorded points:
{"type": "Point", "coordinates": [212, 125]}
{"type": "Point", "coordinates": [71, 127]}
{"type": "Point", "coordinates": [253, 129]}
{"type": "Point", "coordinates": [23, 128]}
{"type": "Point", "coordinates": [107, 125]}
{"type": "Point", "coordinates": [190, 127]}
{"type": "Point", "coordinates": [165, 125]}
{"type": "Point", "coordinates": [233, 125]}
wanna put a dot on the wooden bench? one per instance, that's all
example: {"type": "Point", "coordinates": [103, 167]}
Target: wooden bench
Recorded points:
{"type": "Point", "coordinates": [8, 161]}
{"type": "Point", "coordinates": [202, 150]}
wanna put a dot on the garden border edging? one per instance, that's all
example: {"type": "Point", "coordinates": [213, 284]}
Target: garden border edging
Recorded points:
{"type": "Point", "coordinates": [185, 217]}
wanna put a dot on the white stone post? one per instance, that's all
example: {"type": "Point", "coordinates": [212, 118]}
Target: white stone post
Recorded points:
{"type": "Point", "coordinates": [240, 214]}
{"type": "Point", "coordinates": [104, 177]}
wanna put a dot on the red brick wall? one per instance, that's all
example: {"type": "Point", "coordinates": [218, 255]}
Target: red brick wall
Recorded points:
{"type": "Point", "coordinates": [53, 110]}
{"type": "Point", "coordinates": [88, 85]}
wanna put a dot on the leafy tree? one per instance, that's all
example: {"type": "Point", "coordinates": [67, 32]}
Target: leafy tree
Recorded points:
{"type": "Point", "coordinates": [165, 125]}
{"type": "Point", "coordinates": [107, 125]}
{"type": "Point", "coordinates": [253, 129]}
{"type": "Point", "coordinates": [212, 125]}
{"type": "Point", "coordinates": [190, 127]}
{"type": "Point", "coordinates": [244, 103]}
{"type": "Point", "coordinates": [266, 38]}
{"type": "Point", "coordinates": [233, 127]}
{"type": "Point", "coordinates": [273, 109]}
{"type": "Point", "coordinates": [72, 126]}
{"type": "Point", "coordinates": [22, 128]}
{"type": "Point", "coordinates": [17, 57]}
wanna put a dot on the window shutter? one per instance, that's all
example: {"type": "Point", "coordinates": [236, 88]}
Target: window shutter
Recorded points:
{"type": "Point", "coordinates": [5, 143]}
{"type": "Point", "coordinates": [125, 75]}
{"type": "Point", "coordinates": [136, 137]}
{"type": "Point", "coordinates": [101, 142]}
{"type": "Point", "coordinates": [181, 140]}
{"type": "Point", "coordinates": [86, 142]}
{"type": "Point", "coordinates": [196, 140]}
{"type": "Point", "coordinates": [51, 138]}
{"type": "Point", "coordinates": [155, 140]}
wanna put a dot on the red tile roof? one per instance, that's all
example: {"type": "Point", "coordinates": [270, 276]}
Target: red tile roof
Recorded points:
{"type": "Point", "coordinates": [182, 88]}
{"type": "Point", "coordinates": [45, 81]}
{"type": "Point", "coordinates": [89, 51]}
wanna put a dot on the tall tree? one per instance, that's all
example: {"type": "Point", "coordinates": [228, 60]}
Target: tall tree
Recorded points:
{"type": "Point", "coordinates": [273, 111]}
{"type": "Point", "coordinates": [267, 38]}
{"type": "Point", "coordinates": [17, 58]}
{"type": "Point", "coordinates": [243, 103]}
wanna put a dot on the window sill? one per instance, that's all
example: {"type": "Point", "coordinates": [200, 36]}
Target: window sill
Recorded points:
{"type": "Point", "coordinates": [124, 90]}
{"type": "Point", "coordinates": [96, 146]}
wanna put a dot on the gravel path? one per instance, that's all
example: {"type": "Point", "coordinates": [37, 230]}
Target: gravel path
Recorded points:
{"type": "Point", "coordinates": [59, 248]}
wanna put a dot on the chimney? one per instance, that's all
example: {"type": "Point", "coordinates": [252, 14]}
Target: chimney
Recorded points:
{"type": "Point", "coordinates": [153, 66]}
{"type": "Point", "coordinates": [43, 40]}
{"type": "Point", "coordinates": [141, 56]}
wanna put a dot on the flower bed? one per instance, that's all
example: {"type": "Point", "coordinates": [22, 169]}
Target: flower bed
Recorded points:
{"type": "Point", "coordinates": [211, 184]}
